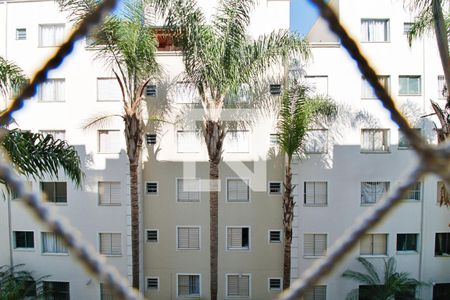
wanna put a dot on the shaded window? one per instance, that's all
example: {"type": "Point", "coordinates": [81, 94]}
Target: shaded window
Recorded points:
{"type": "Point", "coordinates": [373, 244]}
{"type": "Point", "coordinates": [238, 238]}
{"type": "Point", "coordinates": [407, 242]}
{"type": "Point", "coordinates": [315, 244]}
{"type": "Point", "coordinates": [442, 244]}
{"type": "Point", "coordinates": [188, 285]}
{"type": "Point", "coordinates": [409, 85]}
{"type": "Point", "coordinates": [375, 140]}
{"type": "Point", "coordinates": [372, 192]}
{"type": "Point", "coordinates": [24, 239]}
{"type": "Point", "coordinates": [56, 192]}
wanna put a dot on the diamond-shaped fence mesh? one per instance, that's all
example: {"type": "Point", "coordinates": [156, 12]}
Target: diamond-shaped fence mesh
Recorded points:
{"type": "Point", "coordinates": [433, 159]}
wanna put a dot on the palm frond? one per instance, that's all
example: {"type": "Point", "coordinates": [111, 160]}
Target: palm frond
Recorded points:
{"type": "Point", "coordinates": [370, 268]}
{"type": "Point", "coordinates": [37, 155]}
{"type": "Point", "coordinates": [12, 77]}
{"type": "Point", "coordinates": [99, 121]}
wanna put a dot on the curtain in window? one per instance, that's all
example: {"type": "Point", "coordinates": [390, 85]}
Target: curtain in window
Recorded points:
{"type": "Point", "coordinates": [372, 191]}
{"type": "Point", "coordinates": [374, 30]}
{"type": "Point", "coordinates": [46, 35]}
{"type": "Point", "coordinates": [52, 243]}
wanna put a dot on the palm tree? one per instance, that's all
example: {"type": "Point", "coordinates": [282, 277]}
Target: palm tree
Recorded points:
{"type": "Point", "coordinates": [34, 154]}
{"type": "Point", "coordinates": [375, 287]}
{"type": "Point", "coordinates": [219, 58]}
{"type": "Point", "coordinates": [297, 113]}
{"type": "Point", "coordinates": [128, 45]}
{"type": "Point", "coordinates": [17, 284]}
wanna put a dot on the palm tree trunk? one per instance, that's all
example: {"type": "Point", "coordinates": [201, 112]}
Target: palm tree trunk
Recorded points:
{"type": "Point", "coordinates": [288, 216]}
{"type": "Point", "coordinates": [133, 133]}
{"type": "Point", "coordinates": [214, 135]}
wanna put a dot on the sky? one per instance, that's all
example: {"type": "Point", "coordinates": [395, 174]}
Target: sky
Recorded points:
{"type": "Point", "coordinates": [303, 16]}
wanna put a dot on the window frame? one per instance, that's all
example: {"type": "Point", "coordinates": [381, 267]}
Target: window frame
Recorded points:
{"type": "Point", "coordinates": [26, 248]}
{"type": "Point", "coordinates": [199, 295]}
{"type": "Point", "coordinates": [110, 203]}
{"type": "Point", "coordinates": [100, 244]}
{"type": "Point", "coordinates": [269, 289]}
{"type": "Point", "coordinates": [153, 88]}
{"type": "Point", "coordinates": [387, 30]}
{"type": "Point", "coordinates": [315, 93]}
{"type": "Point", "coordinates": [54, 42]}
{"type": "Point", "coordinates": [229, 139]}
{"type": "Point", "coordinates": [197, 140]}
{"type": "Point", "coordinates": [270, 193]}
{"type": "Point", "coordinates": [409, 77]}
{"type": "Point", "coordinates": [441, 81]}
{"type": "Point", "coordinates": [198, 192]}
{"type": "Point", "coordinates": [99, 149]}
{"type": "Point", "coordinates": [19, 31]}
{"type": "Point", "coordinates": [188, 227]}
{"type": "Point", "coordinates": [416, 191]}
{"type": "Point", "coordinates": [308, 139]}
{"type": "Point", "coordinates": [416, 251]}
{"type": "Point", "coordinates": [315, 195]}
{"type": "Point", "coordinates": [54, 94]}
{"type": "Point", "coordinates": [249, 285]}
{"type": "Point", "coordinates": [52, 281]}
{"type": "Point", "coordinates": [275, 89]}
{"type": "Point", "coordinates": [445, 253]}
{"type": "Point", "coordinates": [365, 84]}
{"type": "Point", "coordinates": [315, 255]}
{"type": "Point", "coordinates": [386, 143]}
{"type": "Point", "coordinates": [229, 248]}
{"type": "Point", "coordinates": [157, 236]}
{"type": "Point", "coordinates": [146, 190]}
{"type": "Point", "coordinates": [387, 186]}
{"type": "Point", "coordinates": [98, 90]}
{"type": "Point", "coordinates": [314, 291]}
{"type": "Point", "coordinates": [386, 235]}
{"type": "Point", "coordinates": [270, 241]}
{"type": "Point", "coordinates": [157, 282]}
{"type": "Point", "coordinates": [150, 138]}
{"type": "Point", "coordinates": [53, 201]}
{"type": "Point", "coordinates": [227, 190]}
{"type": "Point", "coordinates": [57, 238]}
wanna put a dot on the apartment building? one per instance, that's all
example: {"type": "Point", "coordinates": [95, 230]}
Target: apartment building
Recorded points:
{"type": "Point", "coordinates": [362, 154]}
{"type": "Point", "coordinates": [80, 89]}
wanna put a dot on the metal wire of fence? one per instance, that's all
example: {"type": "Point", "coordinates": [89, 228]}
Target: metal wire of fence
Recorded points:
{"type": "Point", "coordinates": [432, 160]}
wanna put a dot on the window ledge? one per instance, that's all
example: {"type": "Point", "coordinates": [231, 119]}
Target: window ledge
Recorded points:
{"type": "Point", "coordinates": [51, 101]}
{"type": "Point", "coordinates": [238, 249]}
{"type": "Point", "coordinates": [112, 204]}
{"type": "Point", "coordinates": [24, 249]}
{"type": "Point", "coordinates": [443, 255]}
{"type": "Point", "coordinates": [373, 256]}
{"type": "Point", "coordinates": [368, 204]}
{"type": "Point", "coordinates": [407, 252]}
{"type": "Point", "coordinates": [54, 254]}
{"type": "Point", "coordinates": [313, 256]}
{"type": "Point", "coordinates": [375, 42]}
{"type": "Point", "coordinates": [57, 203]}
{"type": "Point", "coordinates": [315, 205]}
{"type": "Point", "coordinates": [409, 95]}
{"type": "Point", "coordinates": [231, 201]}
{"type": "Point", "coordinates": [375, 152]}
{"type": "Point", "coordinates": [111, 255]}
{"type": "Point", "coordinates": [187, 249]}
{"type": "Point", "coordinates": [273, 194]}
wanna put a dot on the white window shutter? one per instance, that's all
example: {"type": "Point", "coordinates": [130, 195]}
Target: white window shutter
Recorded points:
{"type": "Point", "coordinates": [308, 245]}
{"type": "Point", "coordinates": [233, 285]}
{"type": "Point", "coordinates": [244, 282]}
{"type": "Point", "coordinates": [183, 238]}
{"type": "Point", "coordinates": [104, 191]}
{"type": "Point", "coordinates": [320, 241]}
{"type": "Point", "coordinates": [366, 244]}
{"type": "Point", "coordinates": [183, 285]}
{"type": "Point", "coordinates": [116, 244]}
{"type": "Point", "coordinates": [115, 192]}
{"type": "Point", "coordinates": [379, 244]}
{"type": "Point", "coordinates": [194, 238]}
{"type": "Point", "coordinates": [321, 192]}
{"type": "Point", "coordinates": [105, 243]}
{"type": "Point", "coordinates": [234, 238]}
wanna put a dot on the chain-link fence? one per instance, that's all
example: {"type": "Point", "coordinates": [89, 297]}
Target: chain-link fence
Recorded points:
{"type": "Point", "coordinates": [433, 159]}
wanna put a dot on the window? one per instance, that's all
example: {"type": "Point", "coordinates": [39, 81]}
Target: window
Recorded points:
{"type": "Point", "coordinates": [367, 91]}
{"type": "Point", "coordinates": [238, 238]}
{"type": "Point", "coordinates": [188, 141]}
{"type": "Point", "coordinates": [238, 285]}
{"type": "Point", "coordinates": [373, 244]}
{"type": "Point", "coordinates": [408, 293]}
{"type": "Point", "coordinates": [374, 30]}
{"type": "Point", "coordinates": [51, 243]}
{"type": "Point", "coordinates": [371, 192]}
{"type": "Point", "coordinates": [24, 239]}
{"type": "Point", "coordinates": [274, 236]}
{"type": "Point", "coordinates": [188, 190]}
{"type": "Point", "coordinates": [52, 90]}
{"type": "Point", "coordinates": [414, 192]}
{"type": "Point", "coordinates": [13, 192]}
{"type": "Point", "coordinates": [407, 242]}
{"type": "Point", "coordinates": [442, 193]}
{"type": "Point", "coordinates": [108, 89]}
{"type": "Point", "coordinates": [150, 138]}
{"type": "Point", "coordinates": [109, 141]}
{"type": "Point", "coordinates": [184, 93]}
{"type": "Point", "coordinates": [375, 140]}
{"type": "Point", "coordinates": [244, 93]}
{"type": "Point", "coordinates": [316, 141]}
{"type": "Point", "coordinates": [274, 188]}
{"type": "Point", "coordinates": [442, 88]}
{"type": "Point", "coordinates": [51, 35]}
{"type": "Point", "coordinates": [315, 244]}
{"type": "Point", "coordinates": [151, 188]}
{"type": "Point", "coordinates": [105, 292]}
{"type": "Point", "coordinates": [56, 192]}
{"type": "Point", "coordinates": [317, 292]}
{"type": "Point", "coordinates": [238, 190]}
{"type": "Point", "coordinates": [403, 142]}
{"type": "Point", "coordinates": [317, 84]}
{"type": "Point", "coordinates": [237, 142]}
{"type": "Point", "coordinates": [56, 134]}
{"type": "Point", "coordinates": [315, 193]}
{"type": "Point", "coordinates": [109, 193]}
{"type": "Point", "coordinates": [188, 238]}
{"type": "Point", "coordinates": [110, 243]}
{"type": "Point", "coordinates": [441, 291]}
{"type": "Point", "coordinates": [273, 139]}
{"type": "Point", "coordinates": [21, 34]}
{"type": "Point", "coordinates": [275, 89]}
{"type": "Point", "coordinates": [152, 235]}
{"type": "Point", "coordinates": [56, 290]}
{"type": "Point", "coordinates": [442, 244]}
{"type": "Point", "coordinates": [188, 285]}
{"type": "Point", "coordinates": [274, 284]}
{"type": "Point", "coordinates": [409, 85]}
{"type": "Point", "coordinates": [407, 27]}
{"type": "Point", "coordinates": [150, 90]}
{"type": "Point", "coordinates": [152, 283]}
